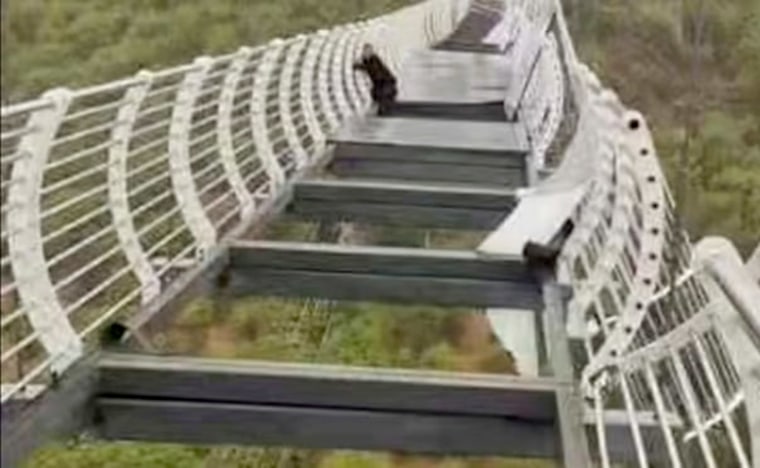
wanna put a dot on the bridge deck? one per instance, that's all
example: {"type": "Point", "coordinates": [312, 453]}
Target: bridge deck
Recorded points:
{"type": "Point", "coordinates": [451, 77]}
{"type": "Point", "coordinates": [458, 151]}
{"type": "Point", "coordinates": [446, 85]}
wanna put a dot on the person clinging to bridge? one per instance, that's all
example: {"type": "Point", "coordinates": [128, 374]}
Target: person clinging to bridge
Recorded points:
{"type": "Point", "coordinates": [383, 81]}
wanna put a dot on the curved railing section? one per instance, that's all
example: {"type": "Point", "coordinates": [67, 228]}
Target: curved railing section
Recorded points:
{"type": "Point", "coordinates": [652, 323]}
{"type": "Point", "coordinates": [110, 193]}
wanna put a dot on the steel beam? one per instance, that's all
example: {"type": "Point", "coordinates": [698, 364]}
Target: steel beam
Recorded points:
{"type": "Point", "coordinates": [320, 406]}
{"type": "Point", "coordinates": [216, 401]}
{"type": "Point", "coordinates": [425, 206]}
{"type": "Point", "coordinates": [439, 277]}
{"type": "Point", "coordinates": [127, 375]}
{"type": "Point", "coordinates": [324, 428]}
{"type": "Point", "coordinates": [480, 112]}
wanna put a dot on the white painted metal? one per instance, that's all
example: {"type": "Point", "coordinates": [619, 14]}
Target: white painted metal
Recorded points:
{"type": "Point", "coordinates": [259, 125]}
{"type": "Point", "coordinates": [118, 193]}
{"type": "Point", "coordinates": [324, 83]}
{"type": "Point", "coordinates": [654, 388]}
{"type": "Point", "coordinates": [309, 106]}
{"type": "Point", "coordinates": [338, 85]}
{"type": "Point", "coordinates": [180, 170]}
{"type": "Point", "coordinates": [224, 131]}
{"type": "Point", "coordinates": [350, 55]}
{"type": "Point", "coordinates": [294, 52]}
{"type": "Point", "coordinates": [36, 291]}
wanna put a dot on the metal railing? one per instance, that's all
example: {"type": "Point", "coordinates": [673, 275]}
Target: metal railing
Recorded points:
{"type": "Point", "coordinates": [651, 320]}
{"type": "Point", "coordinates": [110, 192]}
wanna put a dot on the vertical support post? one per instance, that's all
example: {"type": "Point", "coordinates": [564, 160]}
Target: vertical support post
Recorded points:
{"type": "Point", "coordinates": [659, 404]}
{"type": "Point", "coordinates": [633, 422]}
{"type": "Point", "coordinates": [339, 85]}
{"type": "Point", "coordinates": [295, 50]}
{"type": "Point", "coordinates": [308, 72]}
{"type": "Point", "coordinates": [323, 80]}
{"type": "Point", "coordinates": [259, 117]}
{"type": "Point", "coordinates": [691, 408]}
{"type": "Point", "coordinates": [349, 55]}
{"type": "Point", "coordinates": [118, 198]}
{"type": "Point", "coordinates": [26, 250]}
{"type": "Point", "coordinates": [224, 132]}
{"type": "Point", "coordinates": [360, 81]}
{"type": "Point", "coordinates": [569, 401]}
{"type": "Point", "coordinates": [738, 321]}
{"type": "Point", "coordinates": [600, 426]}
{"type": "Point", "coordinates": [185, 190]}
{"type": "Point", "coordinates": [733, 433]}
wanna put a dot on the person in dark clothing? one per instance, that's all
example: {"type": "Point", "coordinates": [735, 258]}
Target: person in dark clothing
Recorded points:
{"type": "Point", "coordinates": [384, 88]}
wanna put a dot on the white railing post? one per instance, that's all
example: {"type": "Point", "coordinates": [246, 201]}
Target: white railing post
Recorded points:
{"type": "Point", "coordinates": [26, 250]}
{"type": "Point", "coordinates": [659, 404]}
{"type": "Point", "coordinates": [308, 71]}
{"type": "Point", "coordinates": [360, 81]}
{"type": "Point", "coordinates": [339, 86]}
{"type": "Point", "coordinates": [323, 79]}
{"type": "Point", "coordinates": [285, 97]}
{"type": "Point", "coordinates": [224, 132]}
{"type": "Point", "coordinates": [259, 117]}
{"type": "Point", "coordinates": [181, 173]}
{"type": "Point", "coordinates": [118, 198]}
{"type": "Point", "coordinates": [725, 412]}
{"type": "Point", "coordinates": [692, 408]}
{"type": "Point", "coordinates": [349, 76]}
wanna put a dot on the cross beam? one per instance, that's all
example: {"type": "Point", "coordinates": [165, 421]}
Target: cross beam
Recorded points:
{"type": "Point", "coordinates": [190, 400]}
{"type": "Point", "coordinates": [382, 274]}
{"type": "Point", "coordinates": [389, 203]}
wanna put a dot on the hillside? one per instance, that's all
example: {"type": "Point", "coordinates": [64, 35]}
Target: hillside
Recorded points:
{"type": "Point", "coordinates": [694, 72]}
{"type": "Point", "coordinates": [49, 43]}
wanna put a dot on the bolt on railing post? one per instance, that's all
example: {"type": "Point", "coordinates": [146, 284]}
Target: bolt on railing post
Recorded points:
{"type": "Point", "coordinates": [181, 173]}
{"type": "Point", "coordinates": [259, 93]}
{"type": "Point", "coordinates": [224, 132]}
{"type": "Point", "coordinates": [25, 245]}
{"type": "Point", "coordinates": [118, 198]}
{"type": "Point", "coordinates": [284, 102]}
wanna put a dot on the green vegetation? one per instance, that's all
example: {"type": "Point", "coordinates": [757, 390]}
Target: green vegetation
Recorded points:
{"type": "Point", "coordinates": [48, 43]}
{"type": "Point", "coordinates": [95, 455]}
{"type": "Point", "coordinates": [693, 69]}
